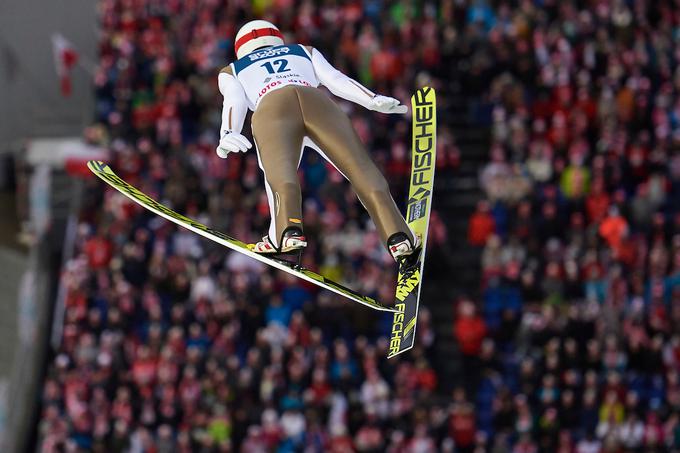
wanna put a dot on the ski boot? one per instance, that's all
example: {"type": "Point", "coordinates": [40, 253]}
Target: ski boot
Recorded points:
{"type": "Point", "coordinates": [405, 252]}
{"type": "Point", "coordinates": [293, 242]}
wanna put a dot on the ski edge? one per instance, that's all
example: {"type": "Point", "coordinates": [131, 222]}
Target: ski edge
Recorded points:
{"type": "Point", "coordinates": [103, 171]}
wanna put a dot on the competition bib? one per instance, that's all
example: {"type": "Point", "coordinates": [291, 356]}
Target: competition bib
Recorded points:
{"type": "Point", "coordinates": [266, 70]}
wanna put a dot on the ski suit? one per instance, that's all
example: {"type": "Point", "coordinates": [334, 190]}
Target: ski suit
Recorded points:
{"type": "Point", "coordinates": [279, 84]}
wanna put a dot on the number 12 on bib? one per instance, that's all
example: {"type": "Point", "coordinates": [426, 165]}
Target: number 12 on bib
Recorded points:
{"type": "Point", "coordinates": [421, 185]}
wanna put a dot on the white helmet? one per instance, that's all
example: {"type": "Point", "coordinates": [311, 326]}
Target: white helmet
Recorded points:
{"type": "Point", "coordinates": [256, 34]}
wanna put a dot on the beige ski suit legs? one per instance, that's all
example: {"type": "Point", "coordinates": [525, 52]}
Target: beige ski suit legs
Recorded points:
{"type": "Point", "coordinates": [282, 120]}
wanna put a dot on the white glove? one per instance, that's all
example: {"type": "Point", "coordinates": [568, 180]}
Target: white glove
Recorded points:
{"type": "Point", "coordinates": [232, 142]}
{"type": "Point", "coordinates": [386, 104]}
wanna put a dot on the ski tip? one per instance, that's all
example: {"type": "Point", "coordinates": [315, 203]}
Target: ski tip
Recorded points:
{"type": "Point", "coordinates": [99, 166]}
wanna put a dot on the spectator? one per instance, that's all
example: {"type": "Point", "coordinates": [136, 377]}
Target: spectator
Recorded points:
{"type": "Point", "coordinates": [469, 329]}
{"type": "Point", "coordinates": [613, 228]}
{"type": "Point", "coordinates": [462, 426]}
{"type": "Point", "coordinates": [481, 225]}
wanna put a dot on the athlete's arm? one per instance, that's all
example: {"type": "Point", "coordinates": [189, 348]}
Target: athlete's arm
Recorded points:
{"type": "Point", "coordinates": [347, 88]}
{"type": "Point", "coordinates": [235, 106]}
{"type": "Point", "coordinates": [234, 109]}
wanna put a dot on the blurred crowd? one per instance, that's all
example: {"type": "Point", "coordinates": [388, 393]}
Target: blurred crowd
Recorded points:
{"type": "Point", "coordinates": [576, 341]}
{"type": "Point", "coordinates": [172, 344]}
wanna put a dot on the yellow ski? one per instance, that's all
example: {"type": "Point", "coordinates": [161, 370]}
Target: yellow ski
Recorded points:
{"type": "Point", "coordinates": [423, 157]}
{"type": "Point", "coordinates": [104, 172]}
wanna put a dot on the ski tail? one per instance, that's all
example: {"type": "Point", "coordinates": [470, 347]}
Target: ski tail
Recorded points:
{"type": "Point", "coordinates": [423, 158]}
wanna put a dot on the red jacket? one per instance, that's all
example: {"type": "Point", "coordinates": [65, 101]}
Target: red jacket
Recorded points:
{"type": "Point", "coordinates": [480, 228]}
{"type": "Point", "coordinates": [470, 333]}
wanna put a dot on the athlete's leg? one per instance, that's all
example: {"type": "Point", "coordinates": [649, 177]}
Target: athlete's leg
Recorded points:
{"type": "Point", "coordinates": [332, 131]}
{"type": "Point", "coordinates": [278, 131]}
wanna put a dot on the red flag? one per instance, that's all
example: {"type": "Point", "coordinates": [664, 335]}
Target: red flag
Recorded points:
{"type": "Point", "coordinates": [65, 58]}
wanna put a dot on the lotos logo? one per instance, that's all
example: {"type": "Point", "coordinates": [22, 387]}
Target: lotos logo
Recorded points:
{"type": "Point", "coordinates": [268, 87]}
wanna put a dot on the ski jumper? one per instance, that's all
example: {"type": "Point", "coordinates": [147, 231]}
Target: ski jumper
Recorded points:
{"type": "Point", "coordinates": [279, 84]}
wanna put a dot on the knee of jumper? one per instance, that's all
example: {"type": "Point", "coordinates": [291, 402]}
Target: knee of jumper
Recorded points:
{"type": "Point", "coordinates": [374, 192]}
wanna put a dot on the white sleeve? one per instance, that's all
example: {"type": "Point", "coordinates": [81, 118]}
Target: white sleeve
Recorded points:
{"type": "Point", "coordinates": [338, 83]}
{"type": "Point", "coordinates": [234, 107]}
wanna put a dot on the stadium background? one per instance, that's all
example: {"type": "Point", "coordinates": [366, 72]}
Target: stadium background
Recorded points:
{"type": "Point", "coordinates": [550, 318]}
